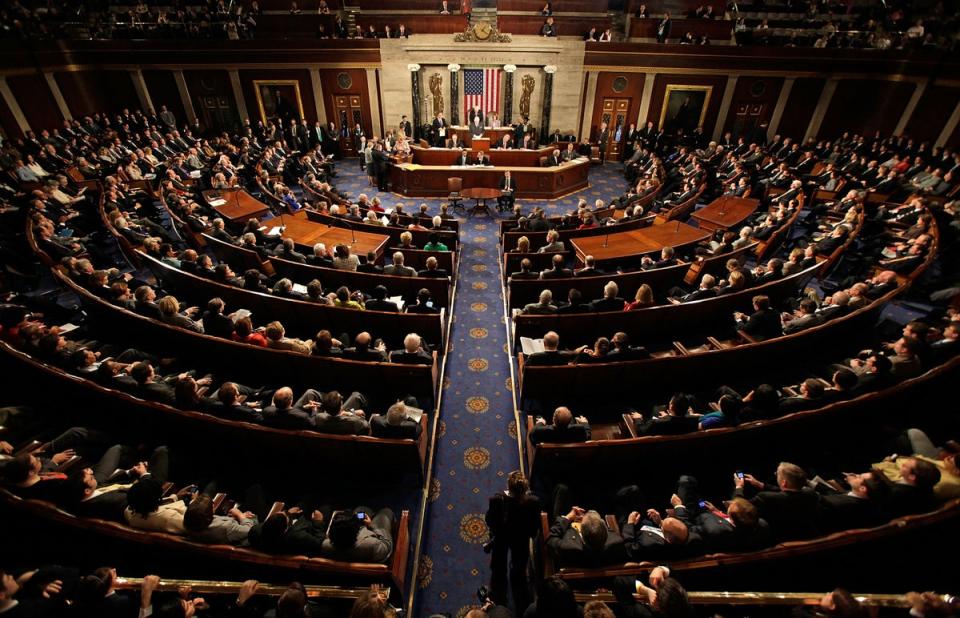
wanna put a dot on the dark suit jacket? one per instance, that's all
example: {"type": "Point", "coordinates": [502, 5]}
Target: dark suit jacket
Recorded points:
{"type": "Point", "coordinates": [607, 304]}
{"type": "Point", "coordinates": [721, 535]}
{"type": "Point", "coordinates": [381, 305]}
{"type": "Point", "coordinates": [645, 545]}
{"type": "Point", "coordinates": [907, 499]}
{"type": "Point", "coordinates": [791, 514]}
{"type": "Point", "coordinates": [566, 545]}
{"type": "Point", "coordinates": [342, 424]}
{"type": "Point", "coordinates": [548, 359]}
{"type": "Point", "coordinates": [108, 505]}
{"type": "Point", "coordinates": [563, 273]}
{"type": "Point", "coordinates": [406, 430]}
{"type": "Point", "coordinates": [157, 391]}
{"type": "Point", "coordinates": [406, 358]}
{"type": "Point", "coordinates": [303, 537]}
{"type": "Point", "coordinates": [574, 432]}
{"type": "Point", "coordinates": [668, 425]}
{"type": "Point", "coordinates": [291, 418]}
{"type": "Point", "coordinates": [762, 324]}
{"type": "Point", "coordinates": [217, 324]}
{"type": "Point", "coordinates": [437, 273]}
{"type": "Point", "coordinates": [845, 512]}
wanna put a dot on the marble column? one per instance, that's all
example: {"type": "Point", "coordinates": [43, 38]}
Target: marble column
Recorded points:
{"type": "Point", "coordinates": [415, 96]}
{"type": "Point", "coordinates": [820, 111]}
{"type": "Point", "coordinates": [780, 107]}
{"type": "Point", "coordinates": [507, 115]}
{"type": "Point", "coordinates": [548, 71]}
{"type": "Point", "coordinates": [57, 95]}
{"type": "Point", "coordinates": [140, 86]}
{"type": "Point", "coordinates": [11, 102]}
{"type": "Point", "coordinates": [724, 107]}
{"type": "Point", "coordinates": [918, 91]}
{"type": "Point", "coordinates": [454, 94]}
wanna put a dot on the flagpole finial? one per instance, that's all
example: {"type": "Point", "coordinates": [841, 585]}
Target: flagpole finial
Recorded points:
{"type": "Point", "coordinates": [453, 68]}
{"type": "Point", "coordinates": [550, 68]}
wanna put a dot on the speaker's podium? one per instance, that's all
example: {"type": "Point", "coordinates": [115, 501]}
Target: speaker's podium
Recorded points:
{"type": "Point", "coordinates": [480, 143]}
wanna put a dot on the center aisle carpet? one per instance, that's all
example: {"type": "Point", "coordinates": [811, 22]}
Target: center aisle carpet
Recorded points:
{"type": "Point", "coordinates": [477, 437]}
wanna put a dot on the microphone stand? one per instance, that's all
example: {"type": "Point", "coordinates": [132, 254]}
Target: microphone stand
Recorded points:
{"type": "Point", "coordinates": [353, 235]}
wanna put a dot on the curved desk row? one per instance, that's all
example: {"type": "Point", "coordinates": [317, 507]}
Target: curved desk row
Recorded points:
{"type": "Point", "coordinates": [414, 180]}
{"type": "Point", "coordinates": [507, 157]}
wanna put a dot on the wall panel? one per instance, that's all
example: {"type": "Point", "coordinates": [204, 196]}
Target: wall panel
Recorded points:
{"type": "Point", "coordinates": [719, 84]}
{"type": "Point", "coordinates": [865, 106]}
{"type": "Point", "coordinates": [302, 77]}
{"type": "Point", "coordinates": [33, 94]}
{"type": "Point", "coordinates": [799, 109]}
{"type": "Point", "coordinates": [87, 92]}
{"type": "Point", "coordinates": [212, 97]}
{"type": "Point", "coordinates": [752, 104]}
{"type": "Point", "coordinates": [163, 91]}
{"type": "Point", "coordinates": [330, 78]}
{"type": "Point", "coordinates": [933, 109]}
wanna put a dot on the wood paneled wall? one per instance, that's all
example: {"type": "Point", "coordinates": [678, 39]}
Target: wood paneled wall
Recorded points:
{"type": "Point", "coordinates": [719, 84]}
{"type": "Point", "coordinates": [163, 91]}
{"type": "Point", "coordinates": [87, 92]}
{"type": "Point", "coordinates": [632, 91]}
{"type": "Point", "coordinates": [301, 76]}
{"type": "Point", "coordinates": [36, 101]}
{"type": "Point", "coordinates": [800, 106]}
{"type": "Point", "coordinates": [865, 106]}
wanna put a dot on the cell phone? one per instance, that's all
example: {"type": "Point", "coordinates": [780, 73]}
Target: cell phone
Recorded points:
{"type": "Point", "coordinates": [739, 474]}
{"type": "Point", "coordinates": [361, 516]}
{"type": "Point", "coordinates": [702, 504]}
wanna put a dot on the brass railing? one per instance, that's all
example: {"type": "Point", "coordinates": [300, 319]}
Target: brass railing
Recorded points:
{"type": "Point", "coordinates": [766, 598]}
{"type": "Point", "coordinates": [223, 587]}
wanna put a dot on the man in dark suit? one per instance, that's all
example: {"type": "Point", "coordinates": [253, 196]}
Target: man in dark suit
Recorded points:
{"type": "Point", "coordinates": [603, 134]}
{"type": "Point", "coordinates": [214, 322]}
{"type": "Point", "coordinates": [464, 158]}
{"type": "Point", "coordinates": [283, 413]}
{"type": "Point", "coordinates": [378, 300]}
{"type": "Point", "coordinates": [807, 318]}
{"type": "Point", "coordinates": [370, 266]}
{"type": "Point", "coordinates": [362, 351]}
{"type": "Point", "coordinates": [406, 127]}
{"type": "Point", "coordinates": [858, 508]}
{"type": "Point", "coordinates": [432, 271]}
{"type": "Point", "coordinates": [343, 417]}
{"type": "Point", "coordinates": [913, 491]}
{"type": "Point", "coordinates": [558, 271]}
{"type": "Point", "coordinates": [655, 537]}
{"type": "Point", "coordinates": [395, 424]}
{"type": "Point", "coordinates": [148, 387]}
{"type": "Point", "coordinates": [554, 159]}
{"type": "Point", "coordinates": [440, 128]}
{"type": "Point", "coordinates": [739, 528]}
{"type": "Point", "coordinates": [621, 350]}
{"type": "Point", "coordinates": [593, 545]}
{"type": "Point", "coordinates": [551, 356]}
{"type": "Point", "coordinates": [763, 323]}
{"type": "Point", "coordinates": [482, 158]}
{"type": "Point", "coordinates": [525, 271]}
{"type": "Point", "coordinates": [610, 300]}
{"type": "Point", "coordinates": [675, 420]}
{"type": "Point", "coordinates": [565, 428]}
{"type": "Point", "coordinates": [589, 268]}
{"type": "Point", "coordinates": [287, 251]}
{"type": "Point", "coordinates": [101, 491]}
{"type": "Point", "coordinates": [667, 258]}
{"type": "Point", "coordinates": [412, 352]}
{"type": "Point", "coordinates": [789, 507]}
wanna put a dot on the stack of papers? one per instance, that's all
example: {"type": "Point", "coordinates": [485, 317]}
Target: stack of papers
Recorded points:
{"type": "Point", "coordinates": [218, 202]}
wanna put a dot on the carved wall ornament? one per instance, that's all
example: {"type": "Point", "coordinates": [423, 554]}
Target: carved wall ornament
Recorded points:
{"type": "Point", "coordinates": [528, 83]}
{"type": "Point", "coordinates": [481, 31]}
{"type": "Point", "coordinates": [436, 89]}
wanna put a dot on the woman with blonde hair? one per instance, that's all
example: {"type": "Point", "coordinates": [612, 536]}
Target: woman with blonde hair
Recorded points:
{"type": "Point", "coordinates": [643, 299]}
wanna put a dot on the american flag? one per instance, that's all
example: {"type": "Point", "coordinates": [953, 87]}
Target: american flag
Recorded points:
{"type": "Point", "coordinates": [481, 87]}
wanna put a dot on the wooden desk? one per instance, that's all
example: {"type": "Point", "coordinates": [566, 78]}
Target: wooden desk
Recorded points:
{"type": "Point", "coordinates": [725, 212]}
{"type": "Point", "coordinates": [494, 135]}
{"type": "Point", "coordinates": [637, 243]}
{"type": "Point", "coordinates": [240, 205]}
{"type": "Point", "coordinates": [449, 156]}
{"type": "Point", "coordinates": [308, 233]}
{"type": "Point", "coordinates": [413, 180]}
{"type": "Point", "coordinates": [480, 195]}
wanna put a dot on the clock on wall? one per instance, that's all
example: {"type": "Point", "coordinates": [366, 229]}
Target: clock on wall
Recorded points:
{"type": "Point", "coordinates": [344, 81]}
{"type": "Point", "coordinates": [620, 84]}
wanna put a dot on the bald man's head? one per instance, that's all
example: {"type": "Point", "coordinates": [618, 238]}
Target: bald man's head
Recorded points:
{"type": "Point", "coordinates": [562, 416]}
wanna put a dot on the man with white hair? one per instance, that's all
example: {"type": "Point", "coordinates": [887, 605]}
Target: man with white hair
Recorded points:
{"type": "Point", "coordinates": [796, 187]}
{"type": "Point", "coordinates": [412, 352]}
{"type": "Point", "coordinates": [544, 307]}
{"type": "Point", "coordinates": [432, 271]}
{"type": "Point", "coordinates": [395, 424]}
{"type": "Point", "coordinates": [320, 257]}
{"type": "Point", "coordinates": [552, 355]}
{"type": "Point", "coordinates": [398, 269]}
{"type": "Point", "coordinates": [610, 301]}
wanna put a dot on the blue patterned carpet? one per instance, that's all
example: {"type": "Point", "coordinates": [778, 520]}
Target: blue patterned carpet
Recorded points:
{"type": "Point", "coordinates": [477, 437]}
